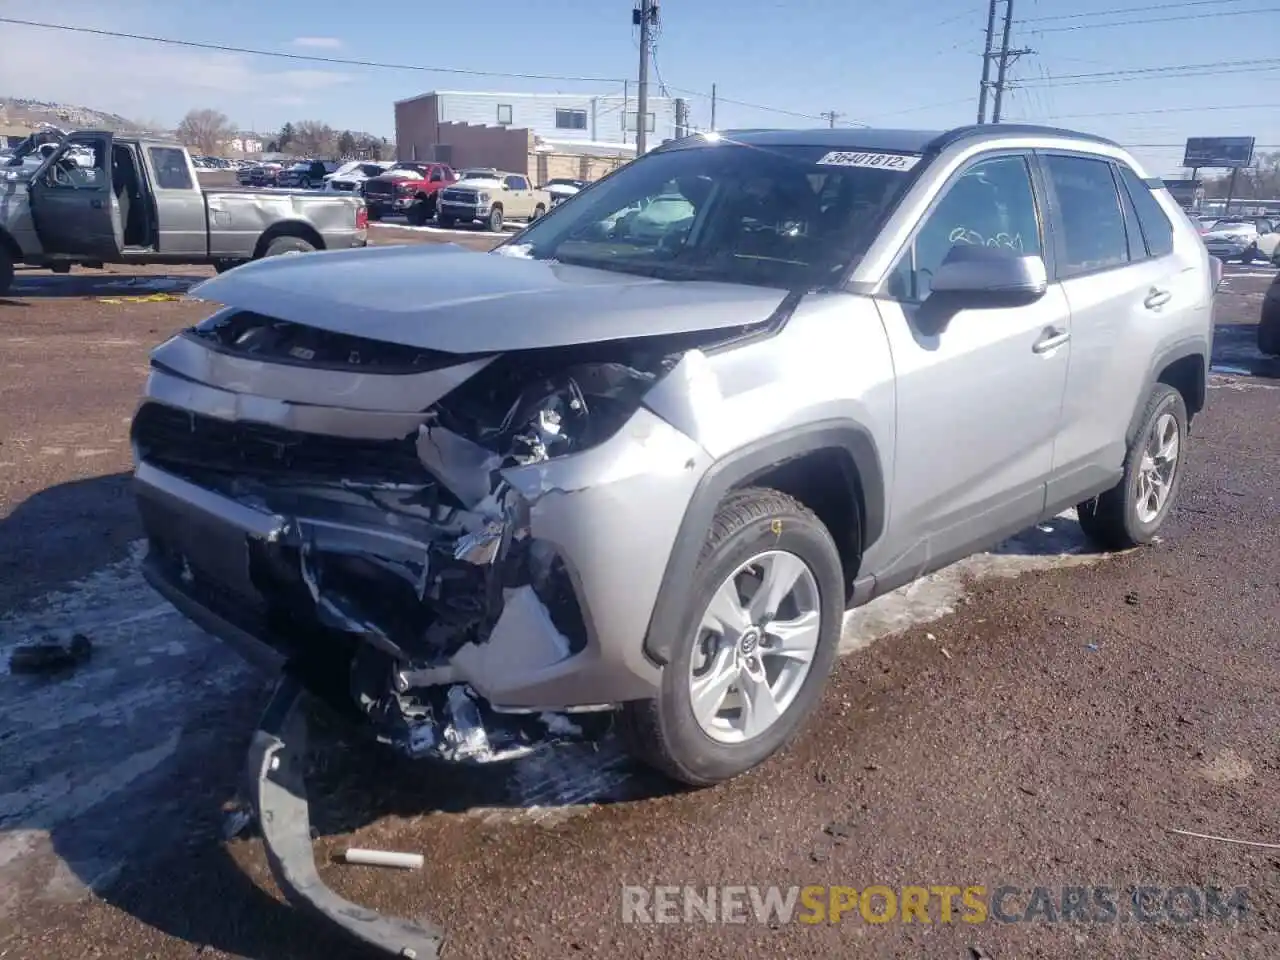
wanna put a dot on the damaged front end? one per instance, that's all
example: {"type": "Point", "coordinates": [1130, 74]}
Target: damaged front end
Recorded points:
{"type": "Point", "coordinates": [389, 549]}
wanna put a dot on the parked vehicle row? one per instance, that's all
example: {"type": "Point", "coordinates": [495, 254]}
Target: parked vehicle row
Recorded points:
{"type": "Point", "coordinates": [139, 200]}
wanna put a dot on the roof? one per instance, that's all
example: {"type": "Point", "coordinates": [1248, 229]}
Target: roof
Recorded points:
{"type": "Point", "coordinates": [900, 141]}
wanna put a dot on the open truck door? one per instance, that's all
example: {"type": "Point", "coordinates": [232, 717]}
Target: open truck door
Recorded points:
{"type": "Point", "coordinates": [73, 204]}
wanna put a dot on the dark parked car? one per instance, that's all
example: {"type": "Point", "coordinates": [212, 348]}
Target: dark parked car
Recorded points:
{"type": "Point", "coordinates": [305, 174]}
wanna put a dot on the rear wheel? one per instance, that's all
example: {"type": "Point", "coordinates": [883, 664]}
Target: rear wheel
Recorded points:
{"type": "Point", "coordinates": [538, 211]}
{"type": "Point", "coordinates": [762, 626]}
{"type": "Point", "coordinates": [283, 246]}
{"type": "Point", "coordinates": [1133, 511]}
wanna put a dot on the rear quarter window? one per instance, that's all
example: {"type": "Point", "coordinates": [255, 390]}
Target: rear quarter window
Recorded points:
{"type": "Point", "coordinates": [1157, 231]}
{"type": "Point", "coordinates": [171, 169]}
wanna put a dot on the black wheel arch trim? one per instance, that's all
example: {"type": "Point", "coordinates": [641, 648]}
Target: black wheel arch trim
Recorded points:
{"type": "Point", "coordinates": [738, 469]}
{"type": "Point", "coordinates": [1190, 347]}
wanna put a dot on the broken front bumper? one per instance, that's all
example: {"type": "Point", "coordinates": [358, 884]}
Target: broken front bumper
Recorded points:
{"type": "Point", "coordinates": [279, 794]}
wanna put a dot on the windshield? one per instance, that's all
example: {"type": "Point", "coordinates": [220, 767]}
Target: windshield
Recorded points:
{"type": "Point", "coordinates": [727, 212]}
{"type": "Point", "coordinates": [478, 175]}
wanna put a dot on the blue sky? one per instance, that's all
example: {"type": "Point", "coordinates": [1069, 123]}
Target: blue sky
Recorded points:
{"type": "Point", "coordinates": [916, 68]}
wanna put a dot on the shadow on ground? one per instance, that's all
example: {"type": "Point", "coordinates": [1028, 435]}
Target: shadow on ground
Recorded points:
{"type": "Point", "coordinates": [43, 285]}
{"type": "Point", "coordinates": [63, 533]}
{"type": "Point", "coordinates": [1235, 352]}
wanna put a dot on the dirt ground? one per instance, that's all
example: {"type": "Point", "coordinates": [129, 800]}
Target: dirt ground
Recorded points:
{"type": "Point", "coordinates": [1039, 717]}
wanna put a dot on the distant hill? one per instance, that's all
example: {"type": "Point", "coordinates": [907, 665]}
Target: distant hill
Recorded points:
{"type": "Point", "coordinates": [20, 111]}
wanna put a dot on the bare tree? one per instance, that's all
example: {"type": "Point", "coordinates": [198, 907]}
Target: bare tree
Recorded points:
{"type": "Point", "coordinates": [205, 130]}
{"type": "Point", "coordinates": [312, 138]}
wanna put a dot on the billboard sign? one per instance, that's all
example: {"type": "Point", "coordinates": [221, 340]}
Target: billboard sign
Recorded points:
{"type": "Point", "coordinates": [1218, 152]}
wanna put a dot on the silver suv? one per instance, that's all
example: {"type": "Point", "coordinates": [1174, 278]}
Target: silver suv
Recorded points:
{"type": "Point", "coordinates": [634, 465]}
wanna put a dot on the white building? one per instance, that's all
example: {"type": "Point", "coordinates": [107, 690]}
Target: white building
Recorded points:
{"type": "Point", "coordinates": [244, 145]}
{"type": "Point", "coordinates": [552, 117]}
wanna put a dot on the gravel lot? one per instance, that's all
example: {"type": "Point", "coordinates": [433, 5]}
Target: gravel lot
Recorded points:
{"type": "Point", "coordinates": [1041, 716]}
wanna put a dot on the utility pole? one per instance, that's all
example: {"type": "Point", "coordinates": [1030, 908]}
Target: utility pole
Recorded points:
{"type": "Point", "coordinates": [645, 16]}
{"type": "Point", "coordinates": [1003, 57]}
{"type": "Point", "coordinates": [1007, 57]}
{"type": "Point", "coordinates": [986, 62]}
{"type": "Point", "coordinates": [830, 116]}
{"type": "Point", "coordinates": [713, 108]}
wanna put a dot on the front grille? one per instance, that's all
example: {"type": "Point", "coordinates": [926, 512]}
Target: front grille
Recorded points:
{"type": "Point", "coordinates": [182, 441]}
{"type": "Point", "coordinates": [460, 196]}
{"type": "Point", "coordinates": [342, 185]}
{"type": "Point", "coordinates": [379, 188]}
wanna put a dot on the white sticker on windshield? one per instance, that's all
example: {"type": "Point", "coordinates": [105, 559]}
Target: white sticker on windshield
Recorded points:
{"type": "Point", "coordinates": [859, 158]}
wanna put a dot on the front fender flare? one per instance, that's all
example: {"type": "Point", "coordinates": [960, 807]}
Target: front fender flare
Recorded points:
{"type": "Point", "coordinates": [738, 469]}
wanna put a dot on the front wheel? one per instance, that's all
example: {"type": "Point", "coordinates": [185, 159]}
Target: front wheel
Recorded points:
{"type": "Point", "coordinates": [304, 184]}
{"type": "Point", "coordinates": [495, 220]}
{"type": "Point", "coordinates": [1249, 255]}
{"type": "Point", "coordinates": [1132, 512]}
{"type": "Point", "coordinates": [762, 626]}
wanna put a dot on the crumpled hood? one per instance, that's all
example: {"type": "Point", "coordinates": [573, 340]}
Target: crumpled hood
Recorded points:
{"type": "Point", "coordinates": [444, 297]}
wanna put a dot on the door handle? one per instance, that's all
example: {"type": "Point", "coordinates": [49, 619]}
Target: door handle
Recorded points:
{"type": "Point", "coordinates": [96, 204]}
{"type": "Point", "coordinates": [1050, 339]}
{"type": "Point", "coordinates": [1157, 298]}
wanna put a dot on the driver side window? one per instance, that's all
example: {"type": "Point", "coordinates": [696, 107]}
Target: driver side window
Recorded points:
{"type": "Point", "coordinates": [991, 204]}
{"type": "Point", "coordinates": [81, 166]}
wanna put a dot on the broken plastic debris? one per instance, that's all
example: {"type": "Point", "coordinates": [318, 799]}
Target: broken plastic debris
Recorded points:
{"type": "Point", "coordinates": [465, 731]}
{"type": "Point", "coordinates": [49, 655]}
{"type": "Point", "coordinates": [482, 546]}
{"type": "Point", "coordinates": [383, 858]}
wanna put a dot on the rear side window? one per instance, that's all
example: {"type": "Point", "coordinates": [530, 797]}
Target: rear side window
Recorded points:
{"type": "Point", "coordinates": [170, 165]}
{"type": "Point", "coordinates": [1156, 228]}
{"type": "Point", "coordinates": [1091, 231]}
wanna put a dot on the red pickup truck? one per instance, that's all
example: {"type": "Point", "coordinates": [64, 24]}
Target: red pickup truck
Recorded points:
{"type": "Point", "coordinates": [409, 187]}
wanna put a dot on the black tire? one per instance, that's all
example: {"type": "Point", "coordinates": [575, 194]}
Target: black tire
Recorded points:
{"type": "Point", "coordinates": [1111, 519]}
{"type": "Point", "coordinates": [282, 245]}
{"type": "Point", "coordinates": [304, 184]}
{"type": "Point", "coordinates": [374, 214]}
{"type": "Point", "coordinates": [1269, 327]}
{"type": "Point", "coordinates": [222, 266]}
{"type": "Point", "coordinates": [663, 732]}
{"type": "Point", "coordinates": [538, 211]}
{"type": "Point", "coordinates": [1249, 255]}
{"type": "Point", "coordinates": [447, 222]}
{"type": "Point", "coordinates": [495, 220]}
{"type": "Point", "coordinates": [6, 271]}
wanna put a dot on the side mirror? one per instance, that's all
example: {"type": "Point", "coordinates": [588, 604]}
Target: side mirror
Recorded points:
{"type": "Point", "coordinates": [993, 275]}
{"type": "Point", "coordinates": [974, 277]}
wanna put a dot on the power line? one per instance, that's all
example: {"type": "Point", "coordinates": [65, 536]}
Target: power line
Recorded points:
{"type": "Point", "coordinates": [1137, 23]}
{"type": "Point", "coordinates": [305, 57]}
{"type": "Point", "coordinates": [1145, 113]}
{"type": "Point", "coordinates": [1167, 68]}
{"type": "Point", "coordinates": [763, 107]}
{"type": "Point", "coordinates": [1166, 76]}
{"type": "Point", "coordinates": [1123, 10]}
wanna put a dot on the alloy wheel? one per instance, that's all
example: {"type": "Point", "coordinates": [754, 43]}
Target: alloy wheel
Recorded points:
{"type": "Point", "coordinates": [756, 643]}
